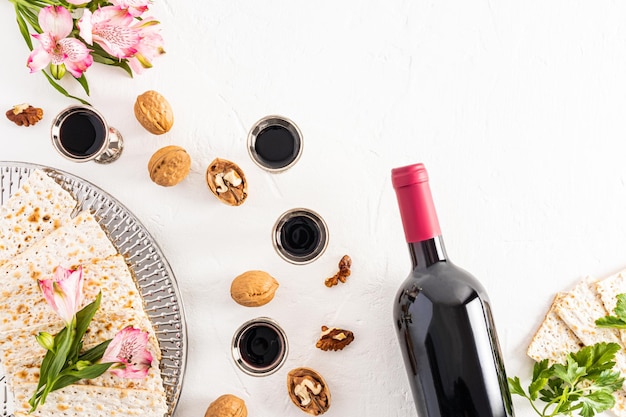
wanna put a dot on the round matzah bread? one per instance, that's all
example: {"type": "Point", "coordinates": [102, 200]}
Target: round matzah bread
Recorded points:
{"type": "Point", "coordinates": [37, 208]}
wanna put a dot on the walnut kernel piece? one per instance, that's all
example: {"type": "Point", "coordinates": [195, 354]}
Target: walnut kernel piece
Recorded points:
{"type": "Point", "coordinates": [344, 272]}
{"type": "Point", "coordinates": [334, 338]}
{"type": "Point", "coordinates": [169, 165]}
{"type": "Point", "coordinates": [308, 390]}
{"type": "Point", "coordinates": [227, 405]}
{"type": "Point", "coordinates": [24, 114]}
{"type": "Point", "coordinates": [227, 182]}
{"type": "Point", "coordinates": [154, 112]}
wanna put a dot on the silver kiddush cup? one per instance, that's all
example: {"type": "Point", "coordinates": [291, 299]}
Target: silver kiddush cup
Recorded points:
{"type": "Point", "coordinates": [80, 133]}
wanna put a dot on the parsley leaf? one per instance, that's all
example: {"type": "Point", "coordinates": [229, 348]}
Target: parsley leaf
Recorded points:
{"type": "Point", "coordinates": [584, 383]}
{"type": "Point", "coordinates": [619, 320]}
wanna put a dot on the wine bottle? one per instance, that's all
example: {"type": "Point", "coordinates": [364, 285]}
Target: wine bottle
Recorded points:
{"type": "Point", "coordinates": [443, 318]}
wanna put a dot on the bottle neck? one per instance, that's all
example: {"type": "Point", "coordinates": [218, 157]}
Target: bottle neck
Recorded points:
{"type": "Point", "coordinates": [427, 252]}
{"type": "Point", "coordinates": [415, 202]}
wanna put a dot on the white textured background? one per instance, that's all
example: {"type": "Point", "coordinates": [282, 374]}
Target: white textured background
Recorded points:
{"type": "Point", "coordinates": [516, 108]}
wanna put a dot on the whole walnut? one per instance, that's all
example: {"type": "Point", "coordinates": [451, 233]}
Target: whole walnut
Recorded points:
{"type": "Point", "coordinates": [169, 165]}
{"type": "Point", "coordinates": [154, 112]}
{"type": "Point", "coordinates": [227, 405]}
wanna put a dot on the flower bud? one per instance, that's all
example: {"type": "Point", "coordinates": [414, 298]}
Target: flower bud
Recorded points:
{"type": "Point", "coordinates": [57, 71]}
{"type": "Point", "coordinates": [80, 365]}
{"type": "Point", "coordinates": [45, 340]}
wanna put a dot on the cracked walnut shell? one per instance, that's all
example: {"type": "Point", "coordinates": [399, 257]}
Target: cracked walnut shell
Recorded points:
{"type": "Point", "coordinates": [154, 112]}
{"type": "Point", "coordinates": [227, 182]}
{"type": "Point", "coordinates": [308, 390]}
{"type": "Point", "coordinates": [227, 405]}
{"type": "Point", "coordinates": [169, 165]}
{"type": "Point", "coordinates": [24, 114]}
{"type": "Point", "coordinates": [253, 288]}
{"type": "Point", "coordinates": [334, 339]}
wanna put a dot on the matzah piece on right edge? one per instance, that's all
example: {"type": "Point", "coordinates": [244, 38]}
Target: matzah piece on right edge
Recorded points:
{"type": "Point", "coordinates": [608, 289]}
{"type": "Point", "coordinates": [580, 308]}
{"type": "Point", "coordinates": [553, 340]}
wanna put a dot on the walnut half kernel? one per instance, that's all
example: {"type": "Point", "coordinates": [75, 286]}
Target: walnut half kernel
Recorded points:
{"type": "Point", "coordinates": [308, 390]}
{"type": "Point", "coordinates": [24, 114]}
{"type": "Point", "coordinates": [334, 338]}
{"type": "Point", "coordinates": [227, 182]}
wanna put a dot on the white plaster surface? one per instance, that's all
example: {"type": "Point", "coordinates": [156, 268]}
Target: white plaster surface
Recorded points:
{"type": "Point", "coordinates": [517, 108]}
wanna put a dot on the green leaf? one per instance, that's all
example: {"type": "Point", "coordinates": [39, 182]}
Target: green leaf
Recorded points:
{"type": "Point", "coordinates": [83, 319]}
{"type": "Point", "coordinates": [570, 373]}
{"type": "Point", "coordinates": [63, 381]}
{"type": "Point", "coordinates": [92, 371]}
{"type": "Point", "coordinates": [619, 320]}
{"type": "Point", "coordinates": [609, 380]}
{"type": "Point", "coordinates": [62, 344]}
{"type": "Point", "coordinates": [620, 307]}
{"type": "Point", "coordinates": [95, 353]}
{"type": "Point", "coordinates": [72, 376]}
{"type": "Point", "coordinates": [62, 90]}
{"type": "Point", "coordinates": [124, 65]}
{"type": "Point", "coordinates": [596, 358]}
{"type": "Point", "coordinates": [83, 82]}
{"type": "Point", "coordinates": [611, 322]}
{"type": "Point", "coordinates": [103, 59]}
{"type": "Point", "coordinates": [32, 17]}
{"type": "Point", "coordinates": [23, 28]}
{"type": "Point", "coordinates": [541, 377]}
{"type": "Point", "coordinates": [515, 387]}
{"type": "Point", "coordinates": [596, 402]}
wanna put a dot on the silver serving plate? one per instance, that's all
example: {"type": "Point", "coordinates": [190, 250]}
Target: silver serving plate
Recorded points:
{"type": "Point", "coordinates": [153, 275]}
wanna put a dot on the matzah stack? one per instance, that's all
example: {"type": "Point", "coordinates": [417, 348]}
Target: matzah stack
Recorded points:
{"type": "Point", "coordinates": [33, 211]}
{"type": "Point", "coordinates": [570, 325]}
{"type": "Point", "coordinates": [24, 313]}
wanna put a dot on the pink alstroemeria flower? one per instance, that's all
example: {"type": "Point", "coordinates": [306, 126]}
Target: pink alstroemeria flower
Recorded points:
{"type": "Point", "coordinates": [64, 293]}
{"type": "Point", "coordinates": [128, 351]}
{"type": "Point", "coordinates": [111, 28]}
{"type": "Point", "coordinates": [54, 45]}
{"type": "Point", "coordinates": [134, 7]}
{"type": "Point", "coordinates": [149, 47]}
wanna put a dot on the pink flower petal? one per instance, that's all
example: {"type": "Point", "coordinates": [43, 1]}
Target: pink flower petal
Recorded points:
{"type": "Point", "coordinates": [64, 292]}
{"type": "Point", "coordinates": [128, 351]}
{"type": "Point", "coordinates": [38, 59]}
{"type": "Point", "coordinates": [56, 20]}
{"type": "Point", "coordinates": [134, 7]}
{"type": "Point", "coordinates": [85, 27]}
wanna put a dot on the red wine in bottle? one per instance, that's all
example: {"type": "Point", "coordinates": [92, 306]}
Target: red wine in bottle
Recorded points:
{"type": "Point", "coordinates": [443, 318]}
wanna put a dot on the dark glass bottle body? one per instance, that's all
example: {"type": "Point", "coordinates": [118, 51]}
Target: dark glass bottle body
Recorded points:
{"type": "Point", "coordinates": [443, 320]}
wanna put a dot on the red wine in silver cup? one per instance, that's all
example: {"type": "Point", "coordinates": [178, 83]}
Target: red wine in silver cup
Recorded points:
{"type": "Point", "coordinates": [275, 143]}
{"type": "Point", "coordinates": [80, 134]}
{"type": "Point", "coordinates": [260, 347]}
